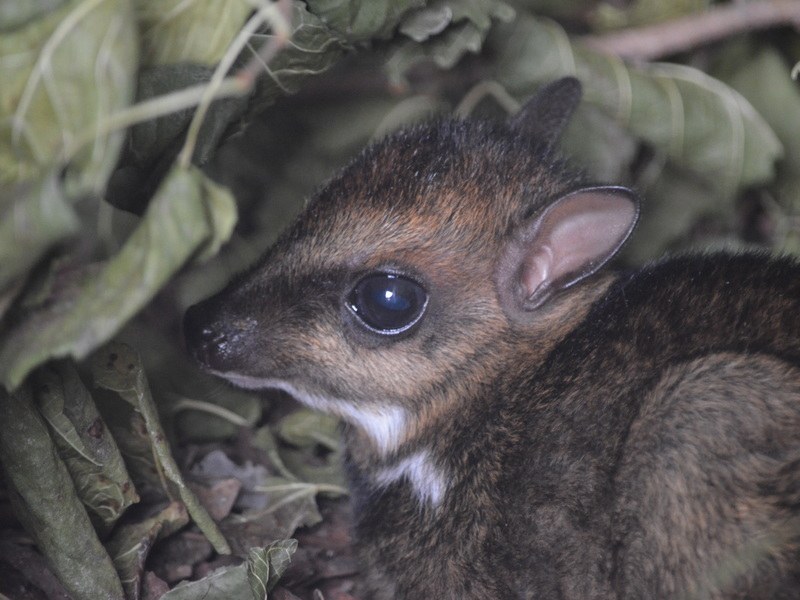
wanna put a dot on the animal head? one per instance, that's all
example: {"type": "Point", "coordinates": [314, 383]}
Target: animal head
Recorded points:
{"type": "Point", "coordinates": [411, 276]}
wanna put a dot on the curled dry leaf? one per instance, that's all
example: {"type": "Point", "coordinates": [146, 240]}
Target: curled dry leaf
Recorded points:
{"type": "Point", "coordinates": [45, 501]}
{"type": "Point", "coordinates": [64, 72]}
{"type": "Point", "coordinates": [190, 216]}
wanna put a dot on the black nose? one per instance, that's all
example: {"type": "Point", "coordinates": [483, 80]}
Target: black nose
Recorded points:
{"type": "Point", "coordinates": [206, 341]}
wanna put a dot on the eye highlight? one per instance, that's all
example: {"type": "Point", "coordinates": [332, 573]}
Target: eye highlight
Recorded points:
{"type": "Point", "coordinates": [387, 303]}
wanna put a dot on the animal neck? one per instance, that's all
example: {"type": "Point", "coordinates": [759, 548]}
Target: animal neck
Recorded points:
{"type": "Point", "coordinates": [420, 446]}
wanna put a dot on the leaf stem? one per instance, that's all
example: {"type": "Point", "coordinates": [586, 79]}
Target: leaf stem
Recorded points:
{"type": "Point", "coordinates": [274, 14]}
{"type": "Point", "coordinates": [183, 404]}
{"type": "Point", "coordinates": [154, 108]}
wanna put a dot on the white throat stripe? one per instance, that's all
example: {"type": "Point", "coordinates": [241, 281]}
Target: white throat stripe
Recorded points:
{"type": "Point", "coordinates": [426, 479]}
{"type": "Point", "coordinates": [385, 426]}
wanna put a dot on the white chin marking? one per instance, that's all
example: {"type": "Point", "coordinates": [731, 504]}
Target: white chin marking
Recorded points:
{"type": "Point", "coordinates": [426, 479]}
{"type": "Point", "coordinates": [385, 426]}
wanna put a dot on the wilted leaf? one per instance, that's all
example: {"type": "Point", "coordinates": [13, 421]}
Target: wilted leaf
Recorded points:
{"type": "Point", "coordinates": [362, 20]}
{"type": "Point", "coordinates": [63, 74]}
{"type": "Point", "coordinates": [313, 48]}
{"type": "Point", "coordinates": [447, 30]}
{"type": "Point", "coordinates": [84, 444]}
{"type": "Point", "coordinates": [131, 544]}
{"type": "Point", "coordinates": [34, 216]}
{"type": "Point", "coordinates": [699, 122]}
{"type": "Point", "coordinates": [325, 474]}
{"type": "Point", "coordinates": [422, 24]}
{"type": "Point", "coordinates": [264, 439]}
{"type": "Point", "coordinates": [765, 81]}
{"type": "Point", "coordinates": [176, 31]}
{"type": "Point", "coordinates": [307, 428]}
{"type": "Point", "coordinates": [118, 368]}
{"type": "Point", "coordinates": [189, 215]}
{"type": "Point", "coordinates": [258, 575]}
{"type": "Point", "coordinates": [130, 432]}
{"type": "Point", "coordinates": [587, 140]}
{"type": "Point", "coordinates": [225, 583]}
{"type": "Point", "coordinates": [17, 14]}
{"type": "Point", "coordinates": [45, 501]}
{"type": "Point", "coordinates": [287, 505]}
{"type": "Point", "coordinates": [265, 566]}
{"type": "Point", "coordinates": [219, 417]}
{"type": "Point", "coordinates": [18, 555]}
{"type": "Point", "coordinates": [150, 139]}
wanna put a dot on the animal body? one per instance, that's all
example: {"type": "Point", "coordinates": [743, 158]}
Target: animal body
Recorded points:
{"type": "Point", "coordinates": [519, 422]}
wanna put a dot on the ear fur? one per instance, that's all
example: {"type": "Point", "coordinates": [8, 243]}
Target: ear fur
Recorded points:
{"type": "Point", "coordinates": [546, 114]}
{"type": "Point", "coordinates": [569, 241]}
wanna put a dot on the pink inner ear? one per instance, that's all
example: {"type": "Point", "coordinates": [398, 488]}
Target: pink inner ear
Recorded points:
{"type": "Point", "coordinates": [576, 236]}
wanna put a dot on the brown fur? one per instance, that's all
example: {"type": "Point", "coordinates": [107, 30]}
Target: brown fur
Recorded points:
{"type": "Point", "coordinates": [634, 436]}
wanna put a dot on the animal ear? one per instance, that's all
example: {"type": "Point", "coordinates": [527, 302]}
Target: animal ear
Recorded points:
{"type": "Point", "coordinates": [568, 242]}
{"type": "Point", "coordinates": [547, 113]}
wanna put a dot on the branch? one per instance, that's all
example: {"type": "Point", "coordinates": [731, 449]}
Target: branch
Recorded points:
{"type": "Point", "coordinates": [656, 41]}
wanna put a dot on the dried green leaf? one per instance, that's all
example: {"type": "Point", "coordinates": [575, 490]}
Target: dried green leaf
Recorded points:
{"type": "Point", "coordinates": [202, 421]}
{"type": "Point", "coordinates": [33, 217]}
{"type": "Point", "coordinates": [307, 428]}
{"type": "Point", "coordinates": [264, 439]}
{"type": "Point", "coordinates": [46, 503]}
{"type": "Point", "coordinates": [224, 583]}
{"type": "Point", "coordinates": [265, 566]}
{"type": "Point", "coordinates": [84, 443]}
{"type": "Point", "coordinates": [697, 121]}
{"type": "Point", "coordinates": [765, 81]}
{"type": "Point", "coordinates": [362, 20]}
{"type": "Point", "coordinates": [176, 31]}
{"type": "Point", "coordinates": [424, 23]}
{"type": "Point", "coordinates": [587, 139]}
{"type": "Point", "coordinates": [118, 368]}
{"type": "Point", "coordinates": [17, 14]}
{"type": "Point", "coordinates": [286, 504]}
{"type": "Point", "coordinates": [130, 432]}
{"type": "Point", "coordinates": [480, 12]}
{"type": "Point", "coordinates": [252, 579]}
{"type": "Point", "coordinates": [326, 474]}
{"type": "Point", "coordinates": [448, 29]}
{"type": "Point", "coordinates": [313, 49]}
{"type": "Point", "coordinates": [131, 544]}
{"type": "Point", "coordinates": [150, 139]}
{"type": "Point", "coordinates": [63, 74]}
{"type": "Point", "coordinates": [189, 215]}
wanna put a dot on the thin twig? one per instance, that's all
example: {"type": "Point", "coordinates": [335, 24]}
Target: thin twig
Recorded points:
{"type": "Point", "coordinates": [656, 41]}
{"type": "Point", "coordinates": [278, 15]}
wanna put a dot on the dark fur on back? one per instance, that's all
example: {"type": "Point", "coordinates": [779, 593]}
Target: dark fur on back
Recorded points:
{"type": "Point", "coordinates": [558, 482]}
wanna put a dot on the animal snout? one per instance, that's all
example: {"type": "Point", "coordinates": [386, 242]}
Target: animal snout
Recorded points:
{"type": "Point", "coordinates": [212, 341]}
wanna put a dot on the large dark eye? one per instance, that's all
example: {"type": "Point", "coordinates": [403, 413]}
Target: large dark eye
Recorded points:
{"type": "Point", "coordinates": [388, 303]}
